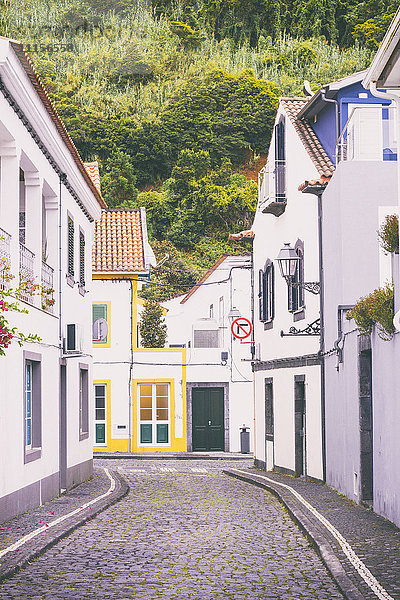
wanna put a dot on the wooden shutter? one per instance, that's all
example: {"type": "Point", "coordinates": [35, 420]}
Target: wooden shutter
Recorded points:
{"type": "Point", "coordinates": [81, 258]}
{"type": "Point", "coordinates": [70, 247]}
{"type": "Point", "coordinates": [261, 295]}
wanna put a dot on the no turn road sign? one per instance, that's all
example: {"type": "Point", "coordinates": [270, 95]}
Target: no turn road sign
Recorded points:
{"type": "Point", "coordinates": [241, 328]}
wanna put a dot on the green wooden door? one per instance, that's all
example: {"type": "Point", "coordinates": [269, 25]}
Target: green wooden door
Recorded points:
{"type": "Point", "coordinates": [208, 419]}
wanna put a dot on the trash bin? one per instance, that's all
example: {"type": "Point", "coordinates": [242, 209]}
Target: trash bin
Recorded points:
{"type": "Point", "coordinates": [244, 440]}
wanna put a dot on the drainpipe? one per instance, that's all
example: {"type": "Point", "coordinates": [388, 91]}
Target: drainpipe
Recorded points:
{"type": "Point", "coordinates": [63, 179]}
{"type": "Point", "coordinates": [336, 103]}
{"type": "Point", "coordinates": [130, 420]}
{"type": "Point", "coordinates": [396, 100]}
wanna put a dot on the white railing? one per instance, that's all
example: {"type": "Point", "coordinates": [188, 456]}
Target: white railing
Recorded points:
{"type": "Point", "coordinates": [5, 259]}
{"type": "Point", "coordinates": [272, 183]}
{"type": "Point", "coordinates": [27, 283]}
{"type": "Point", "coordinates": [369, 134]}
{"type": "Point", "coordinates": [46, 287]}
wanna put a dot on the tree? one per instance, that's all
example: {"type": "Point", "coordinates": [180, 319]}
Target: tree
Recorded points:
{"type": "Point", "coordinates": [152, 327]}
{"type": "Point", "coordinates": [118, 181]}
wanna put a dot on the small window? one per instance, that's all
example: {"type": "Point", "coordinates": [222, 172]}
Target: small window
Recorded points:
{"type": "Point", "coordinates": [83, 402]}
{"type": "Point", "coordinates": [32, 406]}
{"type": "Point", "coordinates": [70, 246]}
{"type": "Point", "coordinates": [266, 294]}
{"type": "Point", "coordinates": [211, 311]}
{"type": "Point", "coordinates": [296, 291]}
{"type": "Point", "coordinates": [100, 324]}
{"type": "Point", "coordinates": [100, 414]}
{"type": "Point", "coordinates": [221, 311]}
{"type": "Point", "coordinates": [81, 259]}
{"type": "Point", "coordinates": [154, 413]}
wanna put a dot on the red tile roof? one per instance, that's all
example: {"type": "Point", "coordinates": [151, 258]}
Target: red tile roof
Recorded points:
{"type": "Point", "coordinates": [118, 242]}
{"type": "Point", "coordinates": [308, 137]}
{"type": "Point", "coordinates": [55, 117]}
{"type": "Point", "coordinates": [93, 169]}
{"type": "Point", "coordinates": [237, 237]}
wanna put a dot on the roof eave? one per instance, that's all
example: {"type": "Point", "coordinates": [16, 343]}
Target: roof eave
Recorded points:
{"type": "Point", "coordinates": [388, 49]}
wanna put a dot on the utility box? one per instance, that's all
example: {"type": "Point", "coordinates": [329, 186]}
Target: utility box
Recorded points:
{"type": "Point", "coordinates": [244, 440]}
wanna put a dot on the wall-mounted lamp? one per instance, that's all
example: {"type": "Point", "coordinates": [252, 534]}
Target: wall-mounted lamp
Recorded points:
{"type": "Point", "coordinates": [233, 314]}
{"type": "Point", "coordinates": [288, 261]}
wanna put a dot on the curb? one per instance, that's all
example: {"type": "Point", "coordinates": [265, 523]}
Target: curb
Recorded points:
{"type": "Point", "coordinates": [314, 534]}
{"type": "Point", "coordinates": [183, 456]}
{"type": "Point", "coordinates": [16, 561]}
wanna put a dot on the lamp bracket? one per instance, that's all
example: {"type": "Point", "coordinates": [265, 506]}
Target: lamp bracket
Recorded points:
{"type": "Point", "coordinates": [310, 286]}
{"type": "Point", "coordinates": [311, 329]}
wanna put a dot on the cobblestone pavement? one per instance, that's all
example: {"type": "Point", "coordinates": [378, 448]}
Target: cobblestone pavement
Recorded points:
{"type": "Point", "coordinates": [185, 531]}
{"type": "Point", "coordinates": [375, 540]}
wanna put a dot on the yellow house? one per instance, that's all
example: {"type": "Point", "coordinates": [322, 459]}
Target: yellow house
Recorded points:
{"type": "Point", "coordinates": [139, 393]}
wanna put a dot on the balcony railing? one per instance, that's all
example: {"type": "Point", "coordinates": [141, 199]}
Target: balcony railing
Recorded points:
{"type": "Point", "coordinates": [5, 259]}
{"type": "Point", "coordinates": [272, 187]}
{"type": "Point", "coordinates": [27, 284]}
{"type": "Point", "coordinates": [47, 290]}
{"type": "Point", "coordinates": [369, 134]}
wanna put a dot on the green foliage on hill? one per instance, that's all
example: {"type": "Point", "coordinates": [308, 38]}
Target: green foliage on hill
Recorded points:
{"type": "Point", "coordinates": [173, 101]}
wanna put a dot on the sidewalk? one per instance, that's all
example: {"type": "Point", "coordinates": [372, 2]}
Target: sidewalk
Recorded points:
{"type": "Point", "coordinates": [28, 535]}
{"type": "Point", "coordinates": [360, 548]}
{"type": "Point", "coordinates": [174, 455]}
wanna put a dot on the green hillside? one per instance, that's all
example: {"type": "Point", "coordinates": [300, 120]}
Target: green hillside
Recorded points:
{"type": "Point", "coordinates": [175, 100]}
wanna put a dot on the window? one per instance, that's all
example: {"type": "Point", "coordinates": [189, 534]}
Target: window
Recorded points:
{"type": "Point", "coordinates": [81, 259]}
{"type": "Point", "coordinates": [221, 311]}
{"type": "Point", "coordinates": [279, 171]}
{"type": "Point", "coordinates": [22, 208]}
{"type": "Point", "coordinates": [211, 311]}
{"type": "Point", "coordinates": [266, 295]}
{"type": "Point", "coordinates": [101, 324]}
{"type": "Point", "coordinates": [154, 408]}
{"type": "Point", "coordinates": [296, 291]}
{"type": "Point", "coordinates": [83, 402]}
{"type": "Point", "coordinates": [100, 414]}
{"type": "Point", "coordinates": [70, 246]}
{"type": "Point", "coordinates": [269, 410]}
{"type": "Point", "coordinates": [32, 406]}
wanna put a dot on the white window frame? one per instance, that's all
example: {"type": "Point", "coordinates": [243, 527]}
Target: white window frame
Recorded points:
{"type": "Point", "coordinates": [154, 421]}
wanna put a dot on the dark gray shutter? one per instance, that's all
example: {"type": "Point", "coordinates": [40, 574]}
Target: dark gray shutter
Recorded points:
{"type": "Point", "coordinates": [82, 258]}
{"type": "Point", "coordinates": [70, 247]}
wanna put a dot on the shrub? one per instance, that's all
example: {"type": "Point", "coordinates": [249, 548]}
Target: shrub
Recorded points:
{"type": "Point", "coordinates": [389, 234]}
{"type": "Point", "coordinates": [375, 309]}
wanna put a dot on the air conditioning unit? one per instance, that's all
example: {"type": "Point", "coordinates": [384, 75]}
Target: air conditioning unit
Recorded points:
{"type": "Point", "coordinates": [73, 338]}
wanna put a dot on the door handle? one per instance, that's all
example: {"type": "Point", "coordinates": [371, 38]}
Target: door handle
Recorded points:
{"type": "Point", "coordinates": [209, 422]}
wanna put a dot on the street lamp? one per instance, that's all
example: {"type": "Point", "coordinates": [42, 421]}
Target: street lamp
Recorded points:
{"type": "Point", "coordinates": [288, 261]}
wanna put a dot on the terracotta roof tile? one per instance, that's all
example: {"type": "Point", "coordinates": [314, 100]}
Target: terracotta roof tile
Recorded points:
{"type": "Point", "coordinates": [93, 169]}
{"type": "Point", "coordinates": [237, 237]}
{"type": "Point", "coordinates": [308, 136]}
{"type": "Point", "coordinates": [118, 242]}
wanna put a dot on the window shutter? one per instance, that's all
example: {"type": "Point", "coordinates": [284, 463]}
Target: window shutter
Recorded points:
{"type": "Point", "coordinates": [261, 294]}
{"type": "Point", "coordinates": [81, 258]}
{"type": "Point", "coordinates": [70, 247]}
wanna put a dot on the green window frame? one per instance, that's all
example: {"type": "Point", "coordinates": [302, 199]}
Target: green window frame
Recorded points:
{"type": "Point", "coordinates": [100, 414]}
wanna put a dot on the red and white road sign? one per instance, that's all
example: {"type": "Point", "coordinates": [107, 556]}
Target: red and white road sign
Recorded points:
{"type": "Point", "coordinates": [241, 328]}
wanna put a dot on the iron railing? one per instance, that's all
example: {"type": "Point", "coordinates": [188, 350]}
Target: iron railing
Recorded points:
{"type": "Point", "coordinates": [272, 183]}
{"type": "Point", "coordinates": [46, 288]}
{"type": "Point", "coordinates": [27, 283]}
{"type": "Point", "coordinates": [5, 259]}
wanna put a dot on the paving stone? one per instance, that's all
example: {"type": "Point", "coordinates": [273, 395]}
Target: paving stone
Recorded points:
{"type": "Point", "coordinates": [180, 536]}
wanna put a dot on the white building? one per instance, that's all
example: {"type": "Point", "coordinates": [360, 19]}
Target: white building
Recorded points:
{"type": "Point", "coordinates": [287, 371]}
{"type": "Point", "coordinates": [48, 204]}
{"type": "Point", "coordinates": [219, 386]}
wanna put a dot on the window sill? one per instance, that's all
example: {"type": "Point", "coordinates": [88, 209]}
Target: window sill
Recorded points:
{"type": "Point", "coordinates": [268, 325]}
{"type": "Point", "coordinates": [83, 435]}
{"type": "Point", "coordinates": [70, 280]}
{"type": "Point", "coordinates": [299, 315]}
{"type": "Point", "coordinates": [33, 454]}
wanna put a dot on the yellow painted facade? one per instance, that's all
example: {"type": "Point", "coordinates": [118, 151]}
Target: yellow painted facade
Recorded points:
{"type": "Point", "coordinates": [123, 445]}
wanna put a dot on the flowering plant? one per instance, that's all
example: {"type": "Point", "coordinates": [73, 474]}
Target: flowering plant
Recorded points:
{"type": "Point", "coordinates": [27, 285]}
{"type": "Point", "coordinates": [5, 270]}
{"type": "Point", "coordinates": [47, 296]}
{"type": "Point", "coordinates": [388, 234]}
{"type": "Point", "coordinates": [375, 309]}
{"type": "Point", "coordinates": [7, 333]}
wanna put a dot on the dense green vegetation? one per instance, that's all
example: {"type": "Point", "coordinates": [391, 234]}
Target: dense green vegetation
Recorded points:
{"type": "Point", "coordinates": [174, 99]}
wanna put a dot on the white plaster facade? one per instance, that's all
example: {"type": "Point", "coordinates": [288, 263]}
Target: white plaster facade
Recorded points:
{"type": "Point", "coordinates": [202, 317]}
{"type": "Point", "coordinates": [286, 362]}
{"type": "Point", "coordinates": [60, 452]}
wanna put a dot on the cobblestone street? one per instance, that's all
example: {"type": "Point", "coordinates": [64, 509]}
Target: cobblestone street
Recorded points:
{"type": "Point", "coordinates": [185, 530]}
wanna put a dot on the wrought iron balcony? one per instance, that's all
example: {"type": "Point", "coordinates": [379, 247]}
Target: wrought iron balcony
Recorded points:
{"type": "Point", "coordinates": [47, 291]}
{"type": "Point", "coordinates": [5, 259]}
{"type": "Point", "coordinates": [27, 283]}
